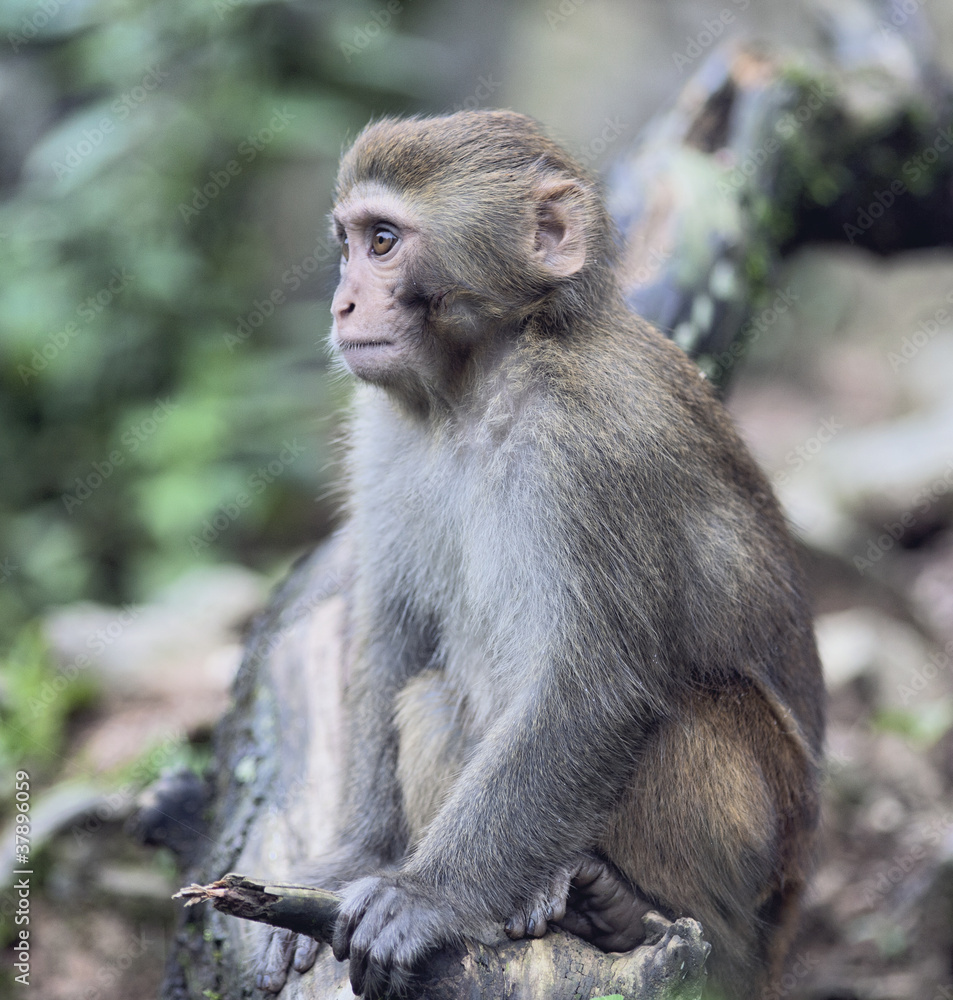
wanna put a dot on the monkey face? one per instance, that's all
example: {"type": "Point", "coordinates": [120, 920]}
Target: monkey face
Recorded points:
{"type": "Point", "coordinates": [373, 325]}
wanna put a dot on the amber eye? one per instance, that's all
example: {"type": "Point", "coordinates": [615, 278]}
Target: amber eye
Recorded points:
{"type": "Point", "coordinates": [382, 241]}
{"type": "Point", "coordinates": [345, 248]}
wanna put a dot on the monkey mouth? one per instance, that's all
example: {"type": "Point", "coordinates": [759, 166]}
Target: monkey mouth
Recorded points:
{"type": "Point", "coordinates": [360, 345]}
{"type": "Point", "coordinates": [369, 360]}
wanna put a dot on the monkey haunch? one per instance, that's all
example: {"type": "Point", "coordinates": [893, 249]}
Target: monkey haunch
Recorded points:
{"type": "Point", "coordinates": [586, 683]}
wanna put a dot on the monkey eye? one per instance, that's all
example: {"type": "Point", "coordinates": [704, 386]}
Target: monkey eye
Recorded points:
{"type": "Point", "coordinates": [382, 241]}
{"type": "Point", "coordinates": [345, 248]}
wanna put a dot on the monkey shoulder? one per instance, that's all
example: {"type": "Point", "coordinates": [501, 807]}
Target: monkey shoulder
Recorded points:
{"type": "Point", "coordinates": [625, 398]}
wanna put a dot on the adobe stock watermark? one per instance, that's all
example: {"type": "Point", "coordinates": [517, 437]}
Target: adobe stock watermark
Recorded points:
{"type": "Point", "coordinates": [485, 88]}
{"type": "Point", "coordinates": [592, 150]}
{"type": "Point", "coordinates": [132, 439]}
{"type": "Point", "coordinates": [121, 109]}
{"type": "Point", "coordinates": [765, 318]}
{"type": "Point", "coordinates": [921, 677]}
{"type": "Point", "coordinates": [96, 642]}
{"type": "Point", "coordinates": [913, 169]}
{"type": "Point", "coordinates": [803, 963]}
{"type": "Point", "coordinates": [930, 834]}
{"type": "Point", "coordinates": [29, 25]}
{"type": "Point", "coordinates": [104, 981]}
{"type": "Point", "coordinates": [268, 643]}
{"type": "Point", "coordinates": [814, 99]}
{"type": "Point", "coordinates": [364, 37]}
{"type": "Point", "coordinates": [87, 311]}
{"type": "Point", "coordinates": [798, 457]}
{"type": "Point", "coordinates": [913, 343]}
{"type": "Point", "coordinates": [228, 513]}
{"type": "Point", "coordinates": [711, 31]}
{"type": "Point", "coordinates": [900, 13]}
{"type": "Point", "coordinates": [292, 279]}
{"type": "Point", "coordinates": [879, 545]}
{"type": "Point", "coordinates": [650, 265]}
{"type": "Point", "coordinates": [559, 14]}
{"type": "Point", "coordinates": [117, 803]}
{"type": "Point", "coordinates": [247, 151]}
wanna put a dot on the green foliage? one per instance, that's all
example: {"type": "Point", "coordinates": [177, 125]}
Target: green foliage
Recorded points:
{"type": "Point", "coordinates": [163, 286]}
{"type": "Point", "coordinates": [35, 701]}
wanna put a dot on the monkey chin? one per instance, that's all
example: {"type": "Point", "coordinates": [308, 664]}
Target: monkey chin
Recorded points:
{"type": "Point", "coordinates": [368, 360]}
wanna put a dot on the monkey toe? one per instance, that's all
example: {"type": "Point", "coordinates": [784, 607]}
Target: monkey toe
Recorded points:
{"type": "Point", "coordinates": [305, 953]}
{"type": "Point", "coordinates": [273, 973]}
{"type": "Point", "coordinates": [679, 953]}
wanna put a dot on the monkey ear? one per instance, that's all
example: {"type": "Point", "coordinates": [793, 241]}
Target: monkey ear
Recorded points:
{"type": "Point", "coordinates": [559, 243]}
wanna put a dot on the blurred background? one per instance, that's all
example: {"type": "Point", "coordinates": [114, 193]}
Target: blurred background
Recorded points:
{"type": "Point", "coordinates": [168, 423]}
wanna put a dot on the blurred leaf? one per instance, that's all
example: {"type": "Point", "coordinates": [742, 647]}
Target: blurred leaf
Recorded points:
{"type": "Point", "coordinates": [35, 701]}
{"type": "Point", "coordinates": [179, 171]}
{"type": "Point", "coordinates": [923, 725]}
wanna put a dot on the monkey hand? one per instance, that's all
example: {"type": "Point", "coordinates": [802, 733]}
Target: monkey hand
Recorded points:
{"type": "Point", "coordinates": [387, 924]}
{"type": "Point", "coordinates": [546, 907]}
{"type": "Point", "coordinates": [283, 949]}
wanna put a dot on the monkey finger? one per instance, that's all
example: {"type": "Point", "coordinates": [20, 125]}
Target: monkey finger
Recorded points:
{"type": "Point", "coordinates": [343, 931]}
{"type": "Point", "coordinates": [349, 917]}
{"type": "Point", "coordinates": [357, 971]}
{"type": "Point", "coordinates": [537, 925]}
{"type": "Point", "coordinates": [530, 921]}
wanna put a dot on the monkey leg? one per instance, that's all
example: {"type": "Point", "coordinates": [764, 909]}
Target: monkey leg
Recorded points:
{"type": "Point", "coordinates": [715, 826]}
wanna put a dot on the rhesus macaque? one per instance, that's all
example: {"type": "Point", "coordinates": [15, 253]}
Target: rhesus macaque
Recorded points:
{"type": "Point", "coordinates": [586, 684]}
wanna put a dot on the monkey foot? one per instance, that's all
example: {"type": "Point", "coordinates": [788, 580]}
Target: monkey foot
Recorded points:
{"type": "Point", "coordinates": [677, 951]}
{"type": "Point", "coordinates": [589, 898]}
{"type": "Point", "coordinates": [603, 908]}
{"type": "Point", "coordinates": [284, 949]}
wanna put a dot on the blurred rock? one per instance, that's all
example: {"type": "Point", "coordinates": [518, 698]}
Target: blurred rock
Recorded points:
{"type": "Point", "coordinates": [188, 635]}
{"type": "Point", "coordinates": [165, 667]}
{"type": "Point", "coordinates": [862, 643]}
{"type": "Point", "coordinates": [932, 591]}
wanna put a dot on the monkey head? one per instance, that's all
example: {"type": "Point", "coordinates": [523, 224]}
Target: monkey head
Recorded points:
{"type": "Point", "coordinates": [454, 232]}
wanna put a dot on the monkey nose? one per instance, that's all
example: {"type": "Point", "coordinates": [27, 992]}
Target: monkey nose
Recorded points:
{"type": "Point", "coordinates": [343, 308]}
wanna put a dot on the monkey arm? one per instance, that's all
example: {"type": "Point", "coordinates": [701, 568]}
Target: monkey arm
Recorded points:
{"type": "Point", "coordinates": [507, 817]}
{"type": "Point", "coordinates": [557, 744]}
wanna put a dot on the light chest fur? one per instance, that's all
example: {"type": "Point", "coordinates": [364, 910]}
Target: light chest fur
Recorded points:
{"type": "Point", "coordinates": [453, 517]}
